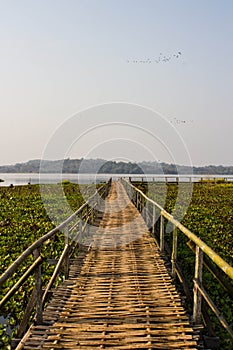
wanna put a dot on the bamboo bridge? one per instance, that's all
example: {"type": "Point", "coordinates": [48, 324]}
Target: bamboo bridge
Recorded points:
{"type": "Point", "coordinates": [118, 291]}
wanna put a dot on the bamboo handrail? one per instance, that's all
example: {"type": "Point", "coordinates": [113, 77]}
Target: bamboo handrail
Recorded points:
{"type": "Point", "coordinates": [222, 264]}
{"type": "Point", "coordinates": [55, 272]}
{"type": "Point", "coordinates": [201, 248]}
{"type": "Point", "coordinates": [39, 297]}
{"type": "Point", "coordinates": [14, 266]}
{"type": "Point", "coordinates": [21, 280]}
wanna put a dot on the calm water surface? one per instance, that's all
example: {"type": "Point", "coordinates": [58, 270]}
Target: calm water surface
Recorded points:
{"type": "Point", "coordinates": [24, 179]}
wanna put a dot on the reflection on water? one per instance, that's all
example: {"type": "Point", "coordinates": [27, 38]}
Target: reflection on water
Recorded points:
{"type": "Point", "coordinates": [5, 321]}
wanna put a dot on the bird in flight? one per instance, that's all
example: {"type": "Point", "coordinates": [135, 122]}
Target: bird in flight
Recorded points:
{"type": "Point", "coordinates": [160, 59]}
{"type": "Point", "coordinates": [181, 121]}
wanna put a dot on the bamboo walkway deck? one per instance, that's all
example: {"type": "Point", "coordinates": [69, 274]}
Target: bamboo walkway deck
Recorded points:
{"type": "Point", "coordinates": [119, 294]}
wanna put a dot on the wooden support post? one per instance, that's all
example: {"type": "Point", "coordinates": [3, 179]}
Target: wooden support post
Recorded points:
{"type": "Point", "coordinates": [66, 260]}
{"type": "Point", "coordinates": [161, 233]}
{"type": "Point", "coordinates": [136, 200]}
{"type": "Point", "coordinates": [24, 323]}
{"type": "Point", "coordinates": [197, 297]}
{"type": "Point", "coordinates": [38, 286]}
{"type": "Point", "coordinates": [153, 220]}
{"type": "Point", "coordinates": [174, 252]}
{"type": "Point", "coordinates": [146, 208]}
{"type": "Point", "coordinates": [88, 221]}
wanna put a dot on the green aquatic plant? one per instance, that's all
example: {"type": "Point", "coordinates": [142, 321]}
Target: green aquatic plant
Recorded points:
{"type": "Point", "coordinates": [23, 219]}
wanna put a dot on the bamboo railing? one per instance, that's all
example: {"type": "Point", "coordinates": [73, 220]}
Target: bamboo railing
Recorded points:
{"type": "Point", "coordinates": [73, 227]}
{"type": "Point", "coordinates": [148, 208]}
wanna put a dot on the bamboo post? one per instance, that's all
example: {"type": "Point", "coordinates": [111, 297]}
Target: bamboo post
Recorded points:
{"type": "Point", "coordinates": [174, 252]}
{"type": "Point", "coordinates": [137, 201]}
{"type": "Point", "coordinates": [24, 323]}
{"type": "Point", "coordinates": [149, 215]}
{"type": "Point", "coordinates": [66, 260]}
{"type": "Point", "coordinates": [153, 220]}
{"type": "Point", "coordinates": [197, 297]}
{"type": "Point", "coordinates": [146, 208]}
{"type": "Point", "coordinates": [89, 215]}
{"type": "Point", "coordinates": [131, 193]}
{"type": "Point", "coordinates": [38, 286]}
{"type": "Point", "coordinates": [161, 233]}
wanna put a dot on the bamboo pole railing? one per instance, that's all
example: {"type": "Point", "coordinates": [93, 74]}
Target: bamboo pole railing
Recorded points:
{"type": "Point", "coordinates": [142, 202]}
{"type": "Point", "coordinates": [79, 219]}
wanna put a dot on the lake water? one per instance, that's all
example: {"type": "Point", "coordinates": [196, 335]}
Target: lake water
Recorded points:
{"type": "Point", "coordinates": [24, 179]}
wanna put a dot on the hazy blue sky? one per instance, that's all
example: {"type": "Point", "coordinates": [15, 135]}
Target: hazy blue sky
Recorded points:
{"type": "Point", "coordinates": [60, 57]}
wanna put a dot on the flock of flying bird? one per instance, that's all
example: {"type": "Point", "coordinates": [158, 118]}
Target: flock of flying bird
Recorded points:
{"type": "Point", "coordinates": [180, 121]}
{"type": "Point", "coordinates": [161, 59]}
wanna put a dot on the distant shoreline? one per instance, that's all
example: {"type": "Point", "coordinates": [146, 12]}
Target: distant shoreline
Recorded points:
{"type": "Point", "coordinates": [101, 166]}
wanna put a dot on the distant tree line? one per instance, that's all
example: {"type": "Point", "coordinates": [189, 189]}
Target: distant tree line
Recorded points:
{"type": "Point", "coordinates": [102, 166]}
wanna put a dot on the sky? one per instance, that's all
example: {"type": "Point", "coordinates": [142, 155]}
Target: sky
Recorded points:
{"type": "Point", "coordinates": [117, 79]}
